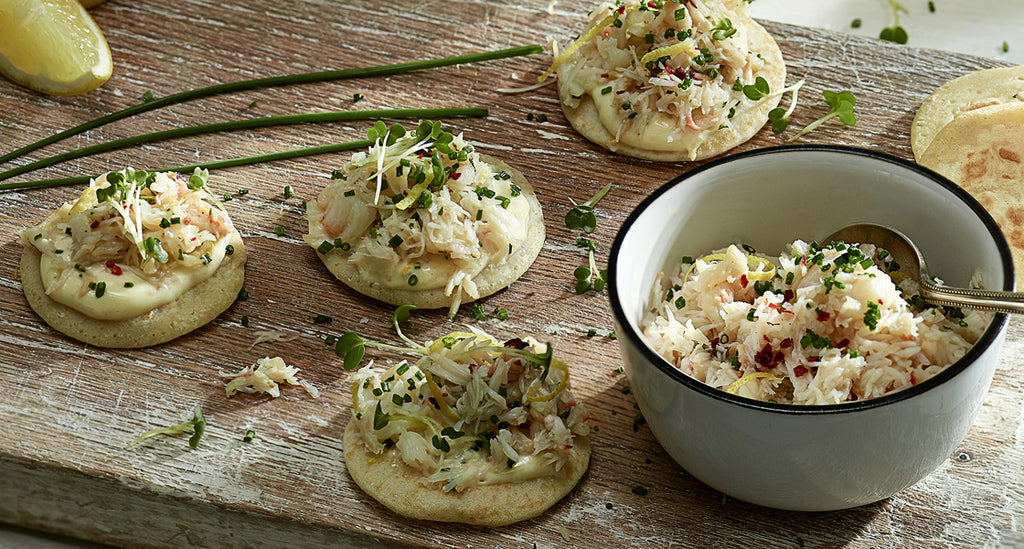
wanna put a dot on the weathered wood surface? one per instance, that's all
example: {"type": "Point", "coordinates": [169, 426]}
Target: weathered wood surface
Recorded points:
{"type": "Point", "coordinates": [67, 411]}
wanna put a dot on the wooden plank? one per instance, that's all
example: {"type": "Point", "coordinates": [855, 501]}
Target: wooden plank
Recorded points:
{"type": "Point", "coordinates": [69, 410]}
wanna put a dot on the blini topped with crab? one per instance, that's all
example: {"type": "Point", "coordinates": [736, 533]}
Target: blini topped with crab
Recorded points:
{"type": "Point", "coordinates": [474, 431]}
{"type": "Point", "coordinates": [670, 81]}
{"type": "Point", "coordinates": [138, 259]}
{"type": "Point", "coordinates": [424, 219]}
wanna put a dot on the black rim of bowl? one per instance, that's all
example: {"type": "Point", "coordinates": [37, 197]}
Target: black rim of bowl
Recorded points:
{"type": "Point", "coordinates": [983, 343]}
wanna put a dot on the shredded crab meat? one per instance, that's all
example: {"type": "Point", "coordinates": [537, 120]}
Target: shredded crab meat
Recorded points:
{"type": "Point", "coordinates": [182, 222]}
{"type": "Point", "coordinates": [472, 411]}
{"type": "Point", "coordinates": [265, 377]}
{"type": "Point", "coordinates": [824, 325]}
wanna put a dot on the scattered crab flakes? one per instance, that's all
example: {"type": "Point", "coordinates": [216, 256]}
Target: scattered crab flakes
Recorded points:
{"type": "Point", "coordinates": [263, 336]}
{"type": "Point", "coordinates": [264, 378]}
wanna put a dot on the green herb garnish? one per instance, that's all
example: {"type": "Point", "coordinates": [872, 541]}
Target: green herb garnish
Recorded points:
{"type": "Point", "coordinates": [581, 216]}
{"type": "Point", "coordinates": [841, 104]}
{"type": "Point", "coordinates": [895, 33]}
{"type": "Point", "coordinates": [591, 277]}
{"type": "Point", "coordinates": [872, 316]}
{"type": "Point", "coordinates": [196, 426]}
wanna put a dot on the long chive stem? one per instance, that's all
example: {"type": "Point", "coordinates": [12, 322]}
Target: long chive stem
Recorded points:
{"type": "Point", "coordinates": [246, 124]}
{"type": "Point", "coordinates": [216, 164]}
{"type": "Point", "coordinates": [303, 78]}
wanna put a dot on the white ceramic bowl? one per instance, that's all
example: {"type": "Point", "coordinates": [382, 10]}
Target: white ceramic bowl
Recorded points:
{"type": "Point", "coordinates": [808, 458]}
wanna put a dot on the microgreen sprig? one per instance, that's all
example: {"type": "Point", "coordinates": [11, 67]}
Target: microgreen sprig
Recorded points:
{"type": "Point", "coordinates": [351, 347]}
{"type": "Point", "coordinates": [760, 89]}
{"type": "Point", "coordinates": [581, 216]}
{"type": "Point", "coordinates": [196, 426]}
{"type": "Point", "coordinates": [841, 104]}
{"type": "Point", "coordinates": [895, 33]}
{"type": "Point", "coordinates": [584, 275]}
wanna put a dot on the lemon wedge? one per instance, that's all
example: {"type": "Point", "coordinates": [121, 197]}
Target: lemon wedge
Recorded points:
{"type": "Point", "coordinates": [90, 3]}
{"type": "Point", "coordinates": [52, 46]}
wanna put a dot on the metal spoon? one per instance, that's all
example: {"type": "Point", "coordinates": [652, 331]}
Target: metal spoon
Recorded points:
{"type": "Point", "coordinates": [912, 264]}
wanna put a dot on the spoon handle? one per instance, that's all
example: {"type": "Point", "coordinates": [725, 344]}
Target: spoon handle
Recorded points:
{"type": "Point", "coordinates": [982, 300]}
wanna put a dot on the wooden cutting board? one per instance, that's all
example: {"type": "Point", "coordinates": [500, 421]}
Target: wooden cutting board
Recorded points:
{"type": "Point", "coordinates": [68, 411]}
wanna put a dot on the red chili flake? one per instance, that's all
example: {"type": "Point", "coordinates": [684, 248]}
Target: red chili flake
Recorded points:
{"type": "Point", "coordinates": [913, 378]}
{"type": "Point", "coordinates": [768, 357]}
{"type": "Point", "coordinates": [764, 356]}
{"type": "Point", "coordinates": [455, 175]}
{"type": "Point", "coordinates": [814, 359]}
{"type": "Point", "coordinates": [775, 306]}
{"type": "Point", "coordinates": [823, 316]}
{"type": "Point", "coordinates": [516, 343]}
{"type": "Point", "coordinates": [652, 4]}
{"type": "Point", "coordinates": [114, 268]}
{"type": "Point", "coordinates": [744, 281]}
{"type": "Point", "coordinates": [94, 224]}
{"type": "Point", "coordinates": [765, 337]}
{"type": "Point", "coordinates": [800, 370]}
{"type": "Point", "coordinates": [786, 343]}
{"type": "Point", "coordinates": [714, 344]}
{"type": "Point", "coordinates": [843, 343]}
{"type": "Point", "coordinates": [788, 294]}
{"type": "Point", "coordinates": [622, 9]}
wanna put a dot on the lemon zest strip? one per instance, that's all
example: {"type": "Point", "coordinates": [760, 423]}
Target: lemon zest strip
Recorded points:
{"type": "Point", "coordinates": [668, 51]}
{"type": "Point", "coordinates": [747, 378]}
{"type": "Point", "coordinates": [414, 195]}
{"type": "Point", "coordinates": [555, 365]}
{"type": "Point", "coordinates": [591, 32]}
{"type": "Point", "coordinates": [442, 402]}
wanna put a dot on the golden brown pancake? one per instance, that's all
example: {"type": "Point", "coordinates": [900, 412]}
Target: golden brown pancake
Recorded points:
{"type": "Point", "coordinates": [983, 151]}
{"type": "Point", "coordinates": [400, 488]}
{"type": "Point", "coordinates": [972, 91]}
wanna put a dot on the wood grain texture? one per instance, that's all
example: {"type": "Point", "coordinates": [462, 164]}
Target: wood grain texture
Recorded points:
{"type": "Point", "coordinates": [68, 411]}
